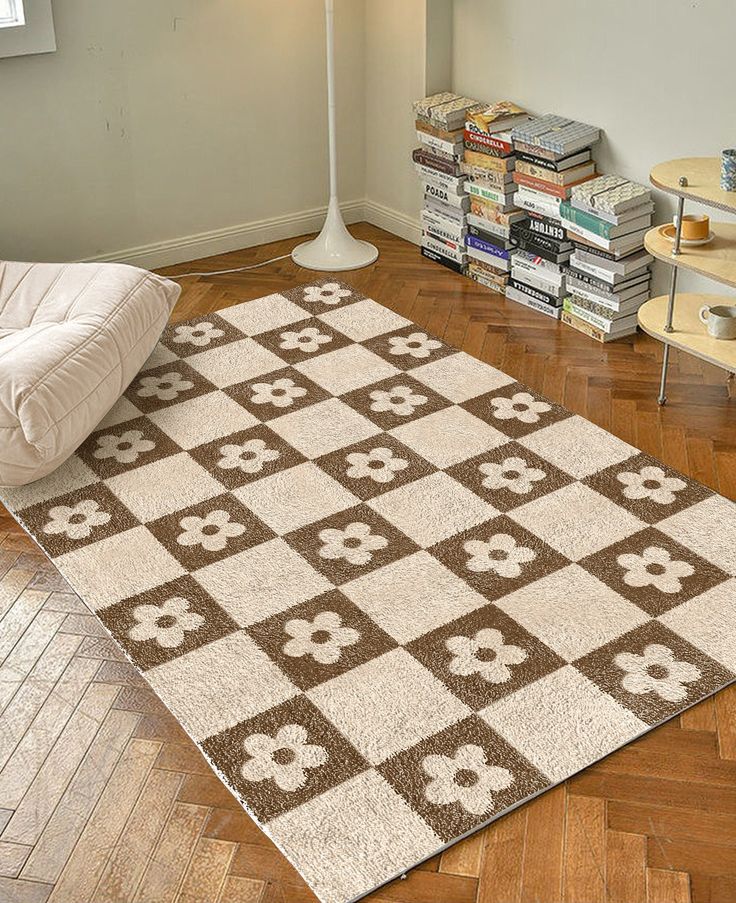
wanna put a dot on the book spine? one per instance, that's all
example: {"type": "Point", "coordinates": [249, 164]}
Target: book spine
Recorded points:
{"type": "Point", "coordinates": [438, 193]}
{"type": "Point", "coordinates": [536, 279]}
{"type": "Point", "coordinates": [550, 209]}
{"type": "Point", "coordinates": [558, 191]}
{"type": "Point", "coordinates": [445, 261]}
{"type": "Point", "coordinates": [549, 166]}
{"type": "Point", "coordinates": [599, 322]}
{"type": "Point", "coordinates": [543, 225]}
{"type": "Point", "coordinates": [612, 302]}
{"type": "Point", "coordinates": [527, 301]}
{"type": "Point", "coordinates": [423, 158]}
{"type": "Point", "coordinates": [445, 229]}
{"type": "Point", "coordinates": [606, 276]}
{"type": "Point", "coordinates": [488, 179]}
{"type": "Point", "coordinates": [487, 161]}
{"type": "Point", "coordinates": [454, 150]}
{"type": "Point", "coordinates": [553, 245]}
{"type": "Point", "coordinates": [496, 263]}
{"type": "Point", "coordinates": [584, 279]}
{"type": "Point", "coordinates": [533, 292]}
{"type": "Point", "coordinates": [584, 327]}
{"type": "Point", "coordinates": [489, 194]}
{"type": "Point", "coordinates": [535, 248]}
{"type": "Point", "coordinates": [487, 143]}
{"type": "Point", "coordinates": [487, 281]}
{"type": "Point", "coordinates": [539, 172]}
{"type": "Point", "coordinates": [585, 220]}
{"type": "Point", "coordinates": [495, 229]}
{"type": "Point", "coordinates": [487, 247]}
{"type": "Point", "coordinates": [485, 235]}
{"type": "Point", "coordinates": [450, 249]}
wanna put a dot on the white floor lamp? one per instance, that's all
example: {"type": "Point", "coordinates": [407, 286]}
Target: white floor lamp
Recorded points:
{"type": "Point", "coordinates": [334, 248]}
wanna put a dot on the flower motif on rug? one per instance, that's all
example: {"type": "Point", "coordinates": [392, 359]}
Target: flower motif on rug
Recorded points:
{"type": "Point", "coordinates": [211, 532]}
{"type": "Point", "coordinates": [284, 758]}
{"type": "Point", "coordinates": [521, 406]}
{"type": "Point", "coordinates": [400, 400]}
{"type": "Point", "coordinates": [657, 671]}
{"type": "Point", "coordinates": [379, 464]}
{"type": "Point", "coordinates": [329, 293]}
{"type": "Point", "coordinates": [77, 521]}
{"type": "Point", "coordinates": [655, 567]}
{"type": "Point", "coordinates": [485, 654]}
{"type": "Point", "coordinates": [308, 340]}
{"type": "Point", "coordinates": [280, 393]}
{"type": "Point", "coordinates": [465, 778]}
{"type": "Point", "coordinates": [167, 624]}
{"type": "Point", "coordinates": [249, 457]}
{"type": "Point", "coordinates": [513, 474]}
{"type": "Point", "coordinates": [418, 344]}
{"type": "Point", "coordinates": [200, 334]}
{"type": "Point", "coordinates": [650, 483]}
{"type": "Point", "coordinates": [165, 387]}
{"type": "Point", "coordinates": [500, 553]}
{"type": "Point", "coordinates": [323, 638]}
{"type": "Point", "coordinates": [125, 448]}
{"type": "Point", "coordinates": [355, 543]}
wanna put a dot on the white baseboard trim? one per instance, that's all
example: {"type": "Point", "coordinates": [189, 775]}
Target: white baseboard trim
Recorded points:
{"type": "Point", "coordinates": [393, 221]}
{"type": "Point", "coordinates": [260, 232]}
{"type": "Point", "coordinates": [231, 238]}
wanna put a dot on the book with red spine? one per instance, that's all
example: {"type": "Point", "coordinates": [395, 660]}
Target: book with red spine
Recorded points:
{"type": "Point", "coordinates": [489, 142]}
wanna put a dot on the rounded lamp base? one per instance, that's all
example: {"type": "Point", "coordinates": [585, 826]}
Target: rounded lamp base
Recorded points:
{"type": "Point", "coordinates": [334, 249]}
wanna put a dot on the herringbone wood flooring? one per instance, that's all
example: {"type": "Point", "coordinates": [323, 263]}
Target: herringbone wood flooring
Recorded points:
{"type": "Point", "coordinates": [103, 797]}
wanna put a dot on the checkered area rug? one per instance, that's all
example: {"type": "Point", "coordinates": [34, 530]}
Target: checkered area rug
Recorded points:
{"type": "Point", "coordinates": [389, 591]}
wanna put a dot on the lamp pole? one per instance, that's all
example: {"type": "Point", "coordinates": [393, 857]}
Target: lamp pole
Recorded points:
{"type": "Point", "coordinates": [334, 248]}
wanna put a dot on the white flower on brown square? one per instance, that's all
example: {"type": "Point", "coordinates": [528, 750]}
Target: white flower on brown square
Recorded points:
{"type": "Point", "coordinates": [485, 654]}
{"type": "Point", "coordinates": [500, 553]}
{"type": "Point", "coordinates": [249, 457]}
{"type": "Point", "coordinates": [284, 758]}
{"type": "Point", "coordinates": [512, 473]}
{"type": "Point", "coordinates": [165, 387]}
{"type": "Point", "coordinates": [308, 340]}
{"type": "Point", "coordinates": [465, 778]}
{"type": "Point", "coordinates": [211, 532]}
{"type": "Point", "coordinates": [400, 400]}
{"type": "Point", "coordinates": [166, 624]}
{"type": "Point", "coordinates": [199, 334]}
{"type": "Point", "coordinates": [650, 483]}
{"type": "Point", "coordinates": [657, 671]}
{"type": "Point", "coordinates": [323, 638]}
{"type": "Point", "coordinates": [418, 344]}
{"type": "Point", "coordinates": [521, 406]}
{"type": "Point", "coordinates": [654, 567]}
{"type": "Point", "coordinates": [280, 393]}
{"type": "Point", "coordinates": [77, 521]}
{"type": "Point", "coordinates": [125, 447]}
{"type": "Point", "coordinates": [355, 543]}
{"type": "Point", "coordinates": [329, 293]}
{"type": "Point", "coordinates": [379, 465]}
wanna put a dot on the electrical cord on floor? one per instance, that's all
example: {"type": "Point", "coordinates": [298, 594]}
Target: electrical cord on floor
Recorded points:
{"type": "Point", "coordinates": [253, 266]}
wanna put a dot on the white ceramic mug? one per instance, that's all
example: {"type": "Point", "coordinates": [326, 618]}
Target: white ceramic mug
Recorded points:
{"type": "Point", "coordinates": [720, 320]}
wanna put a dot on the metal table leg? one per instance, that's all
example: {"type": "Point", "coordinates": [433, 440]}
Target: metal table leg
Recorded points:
{"type": "Point", "coordinates": [671, 301]}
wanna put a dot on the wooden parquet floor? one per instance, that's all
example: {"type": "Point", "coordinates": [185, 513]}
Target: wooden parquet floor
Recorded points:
{"type": "Point", "coordinates": [103, 797]}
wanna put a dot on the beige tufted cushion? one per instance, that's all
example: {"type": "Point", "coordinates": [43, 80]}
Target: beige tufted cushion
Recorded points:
{"type": "Point", "coordinates": [72, 336]}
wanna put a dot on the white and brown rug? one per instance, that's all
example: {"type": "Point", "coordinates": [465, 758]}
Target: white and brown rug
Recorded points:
{"type": "Point", "coordinates": [389, 591]}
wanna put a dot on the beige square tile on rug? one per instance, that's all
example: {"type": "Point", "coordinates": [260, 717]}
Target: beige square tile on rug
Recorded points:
{"type": "Point", "coordinates": [389, 591]}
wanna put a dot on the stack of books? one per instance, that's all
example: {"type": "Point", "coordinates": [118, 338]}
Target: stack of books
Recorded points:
{"type": "Point", "coordinates": [440, 126]}
{"type": "Point", "coordinates": [609, 271]}
{"type": "Point", "coordinates": [488, 166]}
{"type": "Point", "coordinates": [553, 159]}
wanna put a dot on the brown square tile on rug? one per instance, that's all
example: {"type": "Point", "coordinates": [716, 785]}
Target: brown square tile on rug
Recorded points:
{"type": "Point", "coordinates": [166, 622]}
{"type": "Point", "coordinates": [653, 671]}
{"type": "Point", "coordinates": [396, 400]}
{"type": "Point", "coordinates": [374, 466]}
{"type": "Point", "coordinates": [458, 778]}
{"type": "Point", "coordinates": [207, 331]}
{"type": "Point", "coordinates": [122, 447]}
{"type": "Point", "coordinates": [277, 393]}
{"type": "Point", "coordinates": [76, 519]}
{"type": "Point", "coordinates": [653, 571]}
{"type": "Point", "coordinates": [166, 385]}
{"type": "Point", "coordinates": [350, 543]}
{"type": "Point", "coordinates": [283, 757]}
{"type": "Point", "coordinates": [647, 488]}
{"type": "Point", "coordinates": [509, 476]}
{"type": "Point", "coordinates": [302, 341]}
{"type": "Point", "coordinates": [323, 295]}
{"type": "Point", "coordinates": [484, 655]}
{"type": "Point", "coordinates": [246, 456]}
{"type": "Point", "coordinates": [497, 557]}
{"type": "Point", "coordinates": [320, 639]}
{"type": "Point", "coordinates": [515, 410]}
{"type": "Point", "coordinates": [409, 347]}
{"type": "Point", "coordinates": [214, 529]}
